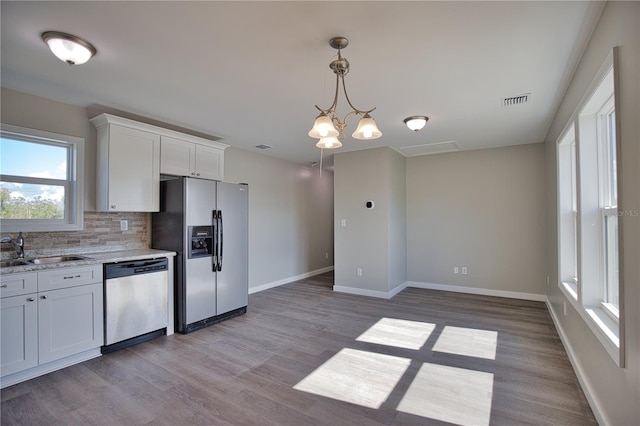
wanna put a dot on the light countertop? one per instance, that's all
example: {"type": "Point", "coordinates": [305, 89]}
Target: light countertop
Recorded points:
{"type": "Point", "coordinates": [93, 258]}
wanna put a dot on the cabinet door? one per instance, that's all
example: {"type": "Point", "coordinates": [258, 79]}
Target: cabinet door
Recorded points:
{"type": "Point", "coordinates": [209, 162]}
{"type": "Point", "coordinates": [134, 170]}
{"type": "Point", "coordinates": [19, 338]}
{"type": "Point", "coordinates": [177, 157]}
{"type": "Point", "coordinates": [69, 321]}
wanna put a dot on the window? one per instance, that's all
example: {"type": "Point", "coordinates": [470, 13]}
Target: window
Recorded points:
{"type": "Point", "coordinates": [588, 246]}
{"type": "Point", "coordinates": [609, 206]}
{"type": "Point", "coordinates": [40, 180]}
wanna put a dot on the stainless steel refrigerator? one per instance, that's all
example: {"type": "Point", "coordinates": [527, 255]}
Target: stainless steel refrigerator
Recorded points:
{"type": "Point", "coordinates": [206, 223]}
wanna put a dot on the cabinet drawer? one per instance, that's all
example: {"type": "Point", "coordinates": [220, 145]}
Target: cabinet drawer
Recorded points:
{"type": "Point", "coordinates": [17, 284]}
{"type": "Point", "coordinates": [69, 277]}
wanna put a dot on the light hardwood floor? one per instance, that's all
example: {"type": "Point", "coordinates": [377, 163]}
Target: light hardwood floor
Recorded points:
{"type": "Point", "coordinates": [306, 355]}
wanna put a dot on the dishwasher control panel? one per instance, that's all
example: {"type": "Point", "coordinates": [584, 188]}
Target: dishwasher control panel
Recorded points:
{"type": "Point", "coordinates": [135, 267]}
{"type": "Point", "coordinates": [154, 268]}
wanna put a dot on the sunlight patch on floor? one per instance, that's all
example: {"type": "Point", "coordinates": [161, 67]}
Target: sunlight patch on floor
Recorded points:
{"type": "Point", "coordinates": [357, 377]}
{"type": "Point", "coordinates": [398, 333]}
{"type": "Point", "coordinates": [450, 394]}
{"type": "Point", "coordinates": [467, 342]}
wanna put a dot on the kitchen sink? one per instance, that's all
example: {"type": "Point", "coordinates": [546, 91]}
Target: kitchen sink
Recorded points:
{"type": "Point", "coordinates": [55, 259]}
{"type": "Point", "coordinates": [13, 262]}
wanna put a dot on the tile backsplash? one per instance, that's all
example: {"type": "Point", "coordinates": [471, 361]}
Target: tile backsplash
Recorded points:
{"type": "Point", "coordinates": [101, 233]}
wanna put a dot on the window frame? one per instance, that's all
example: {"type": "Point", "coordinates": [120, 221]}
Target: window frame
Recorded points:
{"type": "Point", "coordinates": [587, 294]}
{"type": "Point", "coordinates": [567, 210]}
{"type": "Point", "coordinates": [74, 184]}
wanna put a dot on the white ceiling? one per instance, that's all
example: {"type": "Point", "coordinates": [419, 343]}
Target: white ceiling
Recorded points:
{"type": "Point", "coordinates": [251, 72]}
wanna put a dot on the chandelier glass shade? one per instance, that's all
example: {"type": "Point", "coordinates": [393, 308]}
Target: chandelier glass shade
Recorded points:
{"type": "Point", "coordinates": [329, 143]}
{"type": "Point", "coordinates": [323, 127]}
{"type": "Point", "coordinates": [328, 125]}
{"type": "Point", "coordinates": [366, 129]}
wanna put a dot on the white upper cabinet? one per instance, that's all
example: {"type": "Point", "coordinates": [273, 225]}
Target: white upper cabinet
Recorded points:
{"type": "Point", "coordinates": [184, 158]}
{"type": "Point", "coordinates": [132, 155]}
{"type": "Point", "coordinates": [177, 157]}
{"type": "Point", "coordinates": [128, 166]}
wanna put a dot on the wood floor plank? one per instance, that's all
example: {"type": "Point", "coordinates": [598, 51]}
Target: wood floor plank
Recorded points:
{"type": "Point", "coordinates": [244, 371]}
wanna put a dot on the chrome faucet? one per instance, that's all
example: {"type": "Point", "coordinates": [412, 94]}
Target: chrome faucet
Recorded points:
{"type": "Point", "coordinates": [18, 244]}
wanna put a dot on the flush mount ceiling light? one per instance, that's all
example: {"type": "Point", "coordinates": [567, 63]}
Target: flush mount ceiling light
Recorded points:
{"type": "Point", "coordinates": [416, 122]}
{"type": "Point", "coordinates": [69, 48]}
{"type": "Point", "coordinates": [328, 126]}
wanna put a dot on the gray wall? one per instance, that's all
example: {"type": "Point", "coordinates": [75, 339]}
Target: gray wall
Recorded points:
{"type": "Point", "coordinates": [290, 216]}
{"type": "Point", "coordinates": [291, 208]}
{"type": "Point", "coordinates": [480, 209]}
{"type": "Point", "coordinates": [374, 239]}
{"type": "Point", "coordinates": [21, 109]}
{"type": "Point", "coordinates": [615, 392]}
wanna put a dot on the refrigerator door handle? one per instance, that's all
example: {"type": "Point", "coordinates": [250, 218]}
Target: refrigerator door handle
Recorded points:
{"type": "Point", "coordinates": [220, 240]}
{"type": "Point", "coordinates": [214, 224]}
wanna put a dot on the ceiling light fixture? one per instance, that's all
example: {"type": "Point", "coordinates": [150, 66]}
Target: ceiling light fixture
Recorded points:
{"type": "Point", "coordinates": [69, 48]}
{"type": "Point", "coordinates": [416, 122]}
{"type": "Point", "coordinates": [328, 127]}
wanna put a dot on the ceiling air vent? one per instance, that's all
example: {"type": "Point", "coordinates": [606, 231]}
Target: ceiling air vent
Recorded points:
{"type": "Point", "coordinates": [516, 100]}
{"type": "Point", "coordinates": [263, 146]}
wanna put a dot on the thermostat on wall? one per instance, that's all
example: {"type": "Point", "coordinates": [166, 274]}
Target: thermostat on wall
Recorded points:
{"type": "Point", "coordinates": [369, 204]}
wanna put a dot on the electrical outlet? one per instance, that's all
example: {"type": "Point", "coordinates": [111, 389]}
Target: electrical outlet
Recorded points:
{"type": "Point", "coordinates": [124, 225]}
{"type": "Point", "coordinates": [455, 270]}
{"type": "Point", "coordinates": [343, 223]}
{"type": "Point", "coordinates": [464, 270]}
{"type": "Point", "coordinates": [359, 272]}
{"type": "Point", "coordinates": [326, 255]}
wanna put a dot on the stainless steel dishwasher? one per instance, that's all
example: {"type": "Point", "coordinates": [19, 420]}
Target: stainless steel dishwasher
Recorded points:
{"type": "Point", "coordinates": [135, 302]}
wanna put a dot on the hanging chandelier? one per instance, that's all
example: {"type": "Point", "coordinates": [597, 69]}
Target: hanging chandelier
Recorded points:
{"type": "Point", "coordinates": [328, 127]}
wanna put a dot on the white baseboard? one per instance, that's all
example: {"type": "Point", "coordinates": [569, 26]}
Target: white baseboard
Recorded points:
{"type": "Point", "coordinates": [371, 293]}
{"type": "Point", "coordinates": [288, 280]}
{"type": "Point", "coordinates": [480, 291]}
{"type": "Point", "coordinates": [577, 368]}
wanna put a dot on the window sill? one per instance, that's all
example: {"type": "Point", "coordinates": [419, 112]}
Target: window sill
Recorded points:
{"type": "Point", "coordinates": [570, 290]}
{"type": "Point", "coordinates": [602, 325]}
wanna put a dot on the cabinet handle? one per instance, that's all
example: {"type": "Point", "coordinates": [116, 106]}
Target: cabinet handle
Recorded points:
{"type": "Point", "coordinates": [197, 174]}
{"type": "Point", "coordinates": [70, 277]}
{"type": "Point", "coordinates": [193, 173]}
{"type": "Point", "coordinates": [113, 206]}
{"type": "Point", "coordinates": [44, 296]}
{"type": "Point", "coordinates": [30, 299]}
{"type": "Point", "coordinates": [4, 286]}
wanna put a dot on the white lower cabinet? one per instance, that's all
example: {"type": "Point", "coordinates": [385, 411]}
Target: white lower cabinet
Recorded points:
{"type": "Point", "coordinates": [19, 345]}
{"type": "Point", "coordinates": [59, 325]}
{"type": "Point", "coordinates": [69, 321]}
